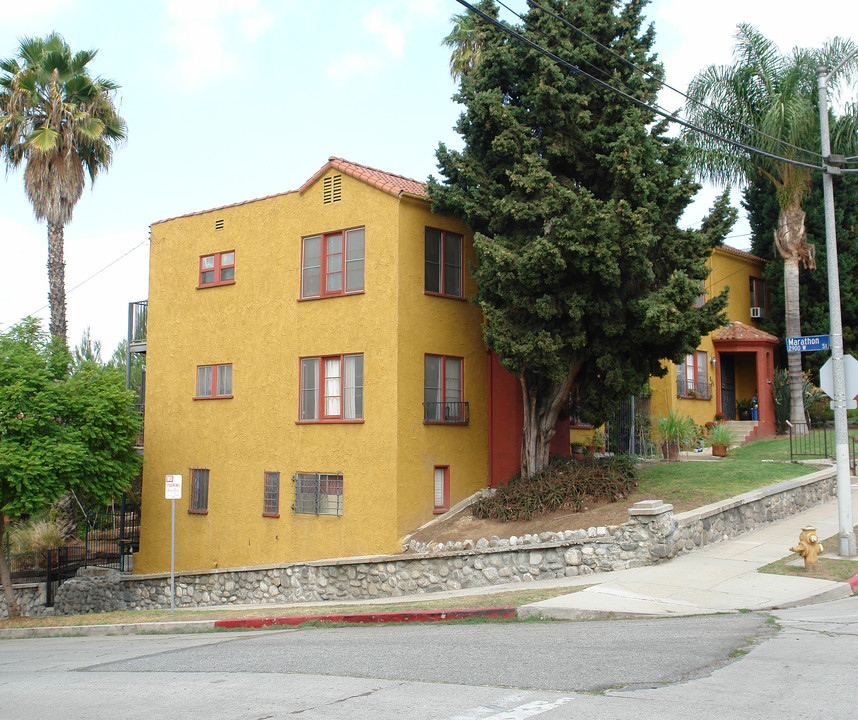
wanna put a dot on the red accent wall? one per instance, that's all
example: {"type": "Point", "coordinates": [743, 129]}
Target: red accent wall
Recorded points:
{"type": "Point", "coordinates": [506, 422]}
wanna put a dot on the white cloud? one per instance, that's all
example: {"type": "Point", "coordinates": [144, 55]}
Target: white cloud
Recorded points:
{"type": "Point", "coordinates": [353, 65]}
{"type": "Point", "coordinates": [19, 12]}
{"type": "Point", "coordinates": [391, 34]}
{"type": "Point", "coordinates": [203, 30]}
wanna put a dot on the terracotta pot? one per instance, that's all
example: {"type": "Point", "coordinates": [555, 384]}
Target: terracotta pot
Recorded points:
{"type": "Point", "coordinates": [670, 450]}
{"type": "Point", "coordinates": [719, 450]}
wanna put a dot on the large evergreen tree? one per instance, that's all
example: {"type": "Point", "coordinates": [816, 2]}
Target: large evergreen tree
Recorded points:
{"type": "Point", "coordinates": [574, 194]}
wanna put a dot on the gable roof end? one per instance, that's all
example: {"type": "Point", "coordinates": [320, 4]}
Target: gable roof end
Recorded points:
{"type": "Point", "coordinates": [392, 184]}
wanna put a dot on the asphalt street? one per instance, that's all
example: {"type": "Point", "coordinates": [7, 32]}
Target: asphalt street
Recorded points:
{"type": "Point", "coordinates": [747, 665]}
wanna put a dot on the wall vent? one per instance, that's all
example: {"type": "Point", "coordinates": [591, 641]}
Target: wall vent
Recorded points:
{"type": "Point", "coordinates": [218, 224]}
{"type": "Point", "coordinates": [332, 189]}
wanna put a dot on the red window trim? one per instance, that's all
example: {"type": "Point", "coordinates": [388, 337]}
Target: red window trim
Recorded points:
{"type": "Point", "coordinates": [444, 359]}
{"type": "Point", "coordinates": [697, 380]}
{"type": "Point", "coordinates": [218, 267]}
{"type": "Point", "coordinates": [320, 393]}
{"type": "Point", "coordinates": [214, 395]}
{"type": "Point", "coordinates": [760, 284]}
{"type": "Point", "coordinates": [442, 252]}
{"type": "Point", "coordinates": [440, 509]}
{"type": "Point", "coordinates": [323, 293]}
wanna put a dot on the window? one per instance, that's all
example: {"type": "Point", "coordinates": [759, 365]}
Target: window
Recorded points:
{"type": "Point", "coordinates": [217, 269]}
{"type": "Point", "coordinates": [199, 491]}
{"type": "Point", "coordinates": [758, 298]}
{"type": "Point", "coordinates": [332, 388]}
{"type": "Point", "coordinates": [214, 381]}
{"type": "Point", "coordinates": [332, 264]}
{"type": "Point", "coordinates": [700, 300]}
{"type": "Point", "coordinates": [691, 377]}
{"type": "Point", "coordinates": [442, 489]}
{"type": "Point", "coordinates": [318, 494]}
{"type": "Point", "coordinates": [443, 263]}
{"type": "Point", "coordinates": [271, 497]}
{"type": "Point", "coordinates": [443, 389]}
{"type": "Point", "coordinates": [574, 418]}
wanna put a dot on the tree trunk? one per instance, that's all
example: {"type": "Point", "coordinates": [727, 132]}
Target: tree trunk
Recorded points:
{"type": "Point", "coordinates": [791, 243]}
{"type": "Point", "coordinates": [57, 281]}
{"type": "Point", "coordinates": [542, 401]}
{"type": "Point", "coordinates": [6, 577]}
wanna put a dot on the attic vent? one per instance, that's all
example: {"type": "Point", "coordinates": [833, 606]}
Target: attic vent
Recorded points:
{"type": "Point", "coordinates": [218, 224]}
{"type": "Point", "coordinates": [332, 189]}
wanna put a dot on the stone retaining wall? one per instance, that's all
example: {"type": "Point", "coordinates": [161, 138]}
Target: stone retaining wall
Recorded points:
{"type": "Point", "coordinates": [652, 533]}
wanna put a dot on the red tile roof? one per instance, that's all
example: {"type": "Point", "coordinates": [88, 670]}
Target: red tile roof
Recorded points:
{"type": "Point", "coordinates": [388, 182]}
{"type": "Point", "coordinates": [739, 331]}
{"type": "Point", "coordinates": [742, 253]}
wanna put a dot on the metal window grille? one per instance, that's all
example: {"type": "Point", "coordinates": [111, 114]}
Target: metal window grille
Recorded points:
{"type": "Point", "coordinates": [199, 490]}
{"type": "Point", "coordinates": [694, 389]}
{"type": "Point", "coordinates": [318, 493]}
{"type": "Point", "coordinates": [271, 503]}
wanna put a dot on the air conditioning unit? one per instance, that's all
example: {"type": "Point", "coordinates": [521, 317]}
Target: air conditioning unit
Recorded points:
{"type": "Point", "coordinates": [756, 312]}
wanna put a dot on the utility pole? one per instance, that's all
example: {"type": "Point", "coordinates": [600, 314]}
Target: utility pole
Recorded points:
{"type": "Point", "coordinates": [846, 535]}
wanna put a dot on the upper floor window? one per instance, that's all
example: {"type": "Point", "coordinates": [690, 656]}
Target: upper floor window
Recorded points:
{"type": "Point", "coordinates": [700, 300]}
{"type": "Point", "coordinates": [443, 390]}
{"type": "Point", "coordinates": [214, 381]}
{"type": "Point", "coordinates": [332, 388]}
{"type": "Point", "coordinates": [217, 269]}
{"type": "Point", "coordinates": [332, 264]}
{"type": "Point", "coordinates": [758, 298]}
{"type": "Point", "coordinates": [443, 263]}
{"type": "Point", "coordinates": [692, 377]}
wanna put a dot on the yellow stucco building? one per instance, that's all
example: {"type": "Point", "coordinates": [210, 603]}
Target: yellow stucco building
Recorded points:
{"type": "Point", "coordinates": [315, 374]}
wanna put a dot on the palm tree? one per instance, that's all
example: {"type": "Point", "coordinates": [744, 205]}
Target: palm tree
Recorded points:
{"type": "Point", "coordinates": [59, 121]}
{"type": "Point", "coordinates": [464, 43]}
{"type": "Point", "coordinates": [769, 101]}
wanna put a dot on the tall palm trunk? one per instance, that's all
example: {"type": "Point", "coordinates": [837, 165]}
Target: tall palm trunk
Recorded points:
{"type": "Point", "coordinates": [56, 280]}
{"type": "Point", "coordinates": [542, 402]}
{"type": "Point", "coordinates": [6, 576]}
{"type": "Point", "coordinates": [791, 243]}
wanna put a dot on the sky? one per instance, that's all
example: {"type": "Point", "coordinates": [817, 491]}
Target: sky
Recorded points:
{"type": "Point", "coordinates": [229, 100]}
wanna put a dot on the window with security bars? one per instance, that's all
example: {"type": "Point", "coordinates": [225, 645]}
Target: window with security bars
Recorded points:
{"type": "Point", "coordinates": [199, 501]}
{"type": "Point", "coordinates": [318, 494]}
{"type": "Point", "coordinates": [271, 501]}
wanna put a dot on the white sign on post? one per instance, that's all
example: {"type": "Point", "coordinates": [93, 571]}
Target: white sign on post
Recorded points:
{"type": "Point", "coordinates": [173, 487]}
{"type": "Point", "coordinates": [850, 370]}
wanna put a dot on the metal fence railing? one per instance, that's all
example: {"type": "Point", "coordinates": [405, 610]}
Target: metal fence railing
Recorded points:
{"type": "Point", "coordinates": [629, 429]}
{"type": "Point", "coordinates": [816, 440]}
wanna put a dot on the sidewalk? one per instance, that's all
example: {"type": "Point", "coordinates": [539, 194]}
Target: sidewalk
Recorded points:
{"type": "Point", "coordinates": [718, 578]}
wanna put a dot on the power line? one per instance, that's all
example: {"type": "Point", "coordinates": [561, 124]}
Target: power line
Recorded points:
{"type": "Point", "coordinates": [655, 110]}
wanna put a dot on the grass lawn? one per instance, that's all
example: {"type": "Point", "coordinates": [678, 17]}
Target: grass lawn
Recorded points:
{"type": "Point", "coordinates": [694, 484]}
{"type": "Point", "coordinates": [828, 568]}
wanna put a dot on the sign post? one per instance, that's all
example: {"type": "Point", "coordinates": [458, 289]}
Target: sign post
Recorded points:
{"type": "Point", "coordinates": [173, 492]}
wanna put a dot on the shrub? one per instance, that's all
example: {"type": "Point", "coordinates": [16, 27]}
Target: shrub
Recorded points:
{"type": "Point", "coordinates": [34, 535]}
{"type": "Point", "coordinates": [565, 484]}
{"type": "Point", "coordinates": [720, 435]}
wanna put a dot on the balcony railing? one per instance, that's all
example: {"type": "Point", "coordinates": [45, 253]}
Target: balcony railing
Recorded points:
{"type": "Point", "coordinates": [137, 316]}
{"type": "Point", "coordinates": [450, 413]}
{"type": "Point", "coordinates": [138, 408]}
{"type": "Point", "coordinates": [687, 389]}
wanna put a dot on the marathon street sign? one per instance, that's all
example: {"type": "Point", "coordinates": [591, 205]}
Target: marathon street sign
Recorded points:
{"type": "Point", "coordinates": [807, 343]}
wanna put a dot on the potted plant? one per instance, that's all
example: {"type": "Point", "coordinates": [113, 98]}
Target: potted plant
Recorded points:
{"type": "Point", "coordinates": [719, 439]}
{"type": "Point", "coordinates": [598, 442]}
{"type": "Point", "coordinates": [676, 432]}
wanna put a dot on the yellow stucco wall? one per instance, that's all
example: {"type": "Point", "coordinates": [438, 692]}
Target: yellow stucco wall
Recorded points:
{"type": "Point", "coordinates": [259, 326]}
{"type": "Point", "coordinates": [729, 269]}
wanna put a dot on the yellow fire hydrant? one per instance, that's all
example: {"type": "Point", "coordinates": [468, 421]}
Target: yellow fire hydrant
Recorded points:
{"type": "Point", "coordinates": [808, 547]}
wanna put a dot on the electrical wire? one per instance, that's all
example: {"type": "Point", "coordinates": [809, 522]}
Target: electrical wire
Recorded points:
{"type": "Point", "coordinates": [657, 111]}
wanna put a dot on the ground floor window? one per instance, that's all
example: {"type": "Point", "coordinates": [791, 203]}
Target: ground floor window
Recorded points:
{"type": "Point", "coordinates": [271, 498]}
{"type": "Point", "coordinates": [318, 493]}
{"type": "Point", "coordinates": [199, 502]}
{"type": "Point", "coordinates": [442, 489]}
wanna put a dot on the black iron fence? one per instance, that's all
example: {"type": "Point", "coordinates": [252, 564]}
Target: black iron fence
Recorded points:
{"type": "Point", "coordinates": [816, 440]}
{"type": "Point", "coordinates": [693, 389]}
{"type": "Point", "coordinates": [109, 541]}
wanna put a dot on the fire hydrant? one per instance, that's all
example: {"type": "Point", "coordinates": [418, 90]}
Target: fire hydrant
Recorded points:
{"type": "Point", "coordinates": [809, 548]}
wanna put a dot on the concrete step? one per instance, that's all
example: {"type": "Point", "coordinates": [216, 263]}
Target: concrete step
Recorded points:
{"type": "Point", "coordinates": [741, 429]}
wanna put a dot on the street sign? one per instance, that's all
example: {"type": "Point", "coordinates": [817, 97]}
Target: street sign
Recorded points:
{"type": "Point", "coordinates": [807, 343]}
{"type": "Point", "coordinates": [173, 487]}
{"type": "Point", "coordinates": [826, 379]}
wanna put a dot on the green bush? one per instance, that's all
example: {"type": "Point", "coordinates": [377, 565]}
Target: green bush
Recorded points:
{"type": "Point", "coordinates": [565, 484]}
{"type": "Point", "coordinates": [34, 535]}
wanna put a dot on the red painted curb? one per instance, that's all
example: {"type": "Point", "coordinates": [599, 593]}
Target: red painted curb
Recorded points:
{"type": "Point", "coordinates": [853, 583]}
{"type": "Point", "coordinates": [381, 617]}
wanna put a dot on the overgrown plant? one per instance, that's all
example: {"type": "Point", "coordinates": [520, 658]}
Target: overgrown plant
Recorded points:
{"type": "Point", "coordinates": [565, 484]}
{"type": "Point", "coordinates": [676, 428]}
